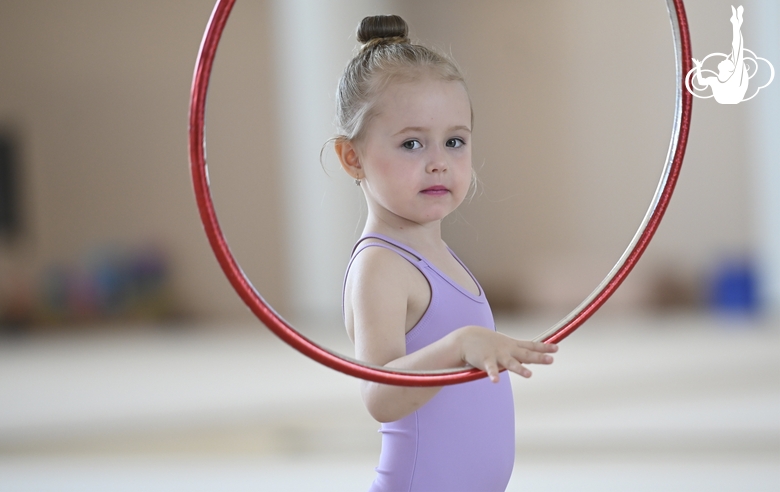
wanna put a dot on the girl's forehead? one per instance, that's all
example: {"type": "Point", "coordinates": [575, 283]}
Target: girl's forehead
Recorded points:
{"type": "Point", "coordinates": [421, 83]}
{"type": "Point", "coordinates": [420, 93]}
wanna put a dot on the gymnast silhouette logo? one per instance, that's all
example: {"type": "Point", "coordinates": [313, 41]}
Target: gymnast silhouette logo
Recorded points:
{"type": "Point", "coordinates": [730, 84]}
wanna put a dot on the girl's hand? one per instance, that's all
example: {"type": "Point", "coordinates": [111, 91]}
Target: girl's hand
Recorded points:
{"type": "Point", "coordinates": [491, 351]}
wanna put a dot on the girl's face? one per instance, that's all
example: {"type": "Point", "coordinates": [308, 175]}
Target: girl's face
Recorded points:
{"type": "Point", "coordinates": [415, 155]}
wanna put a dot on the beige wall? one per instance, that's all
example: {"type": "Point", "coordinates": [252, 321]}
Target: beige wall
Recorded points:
{"type": "Point", "coordinates": [573, 105]}
{"type": "Point", "coordinates": [99, 93]}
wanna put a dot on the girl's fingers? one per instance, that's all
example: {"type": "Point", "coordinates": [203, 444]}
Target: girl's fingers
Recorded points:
{"type": "Point", "coordinates": [491, 368]}
{"type": "Point", "coordinates": [532, 357]}
{"type": "Point", "coordinates": [538, 346]}
{"type": "Point", "coordinates": [516, 367]}
{"type": "Point", "coordinates": [545, 347]}
{"type": "Point", "coordinates": [506, 353]}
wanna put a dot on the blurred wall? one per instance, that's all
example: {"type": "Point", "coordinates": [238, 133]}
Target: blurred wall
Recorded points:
{"type": "Point", "coordinates": [573, 103]}
{"type": "Point", "coordinates": [98, 94]}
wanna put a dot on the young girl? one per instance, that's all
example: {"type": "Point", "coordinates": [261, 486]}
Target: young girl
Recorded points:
{"type": "Point", "coordinates": [405, 120]}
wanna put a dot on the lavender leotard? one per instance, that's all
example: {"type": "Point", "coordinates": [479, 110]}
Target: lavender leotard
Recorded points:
{"type": "Point", "coordinates": [463, 439]}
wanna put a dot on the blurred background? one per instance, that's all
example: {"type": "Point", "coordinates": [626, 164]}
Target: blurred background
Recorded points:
{"type": "Point", "coordinates": [127, 361]}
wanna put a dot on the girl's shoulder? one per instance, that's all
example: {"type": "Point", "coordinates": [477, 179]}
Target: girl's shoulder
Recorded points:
{"type": "Point", "coordinates": [386, 244]}
{"type": "Point", "coordinates": [376, 260]}
{"type": "Point", "coordinates": [383, 289]}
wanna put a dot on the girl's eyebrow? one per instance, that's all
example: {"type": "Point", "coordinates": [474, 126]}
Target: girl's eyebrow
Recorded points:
{"type": "Point", "coordinates": [461, 127]}
{"type": "Point", "coordinates": [422, 129]}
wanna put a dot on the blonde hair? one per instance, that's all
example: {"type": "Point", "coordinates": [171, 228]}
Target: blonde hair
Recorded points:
{"type": "Point", "coordinates": [386, 56]}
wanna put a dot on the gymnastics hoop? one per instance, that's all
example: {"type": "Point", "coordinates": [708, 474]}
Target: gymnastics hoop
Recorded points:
{"type": "Point", "coordinates": [352, 367]}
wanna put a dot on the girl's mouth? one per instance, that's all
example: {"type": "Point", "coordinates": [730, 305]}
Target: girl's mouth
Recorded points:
{"type": "Point", "coordinates": [436, 190]}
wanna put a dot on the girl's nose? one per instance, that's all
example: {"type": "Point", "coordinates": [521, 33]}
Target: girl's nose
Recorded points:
{"type": "Point", "coordinates": [437, 162]}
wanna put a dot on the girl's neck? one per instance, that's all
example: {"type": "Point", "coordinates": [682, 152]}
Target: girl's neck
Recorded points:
{"type": "Point", "coordinates": [425, 238]}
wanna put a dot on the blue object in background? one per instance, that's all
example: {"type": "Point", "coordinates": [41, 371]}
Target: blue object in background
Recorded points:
{"type": "Point", "coordinates": [110, 279]}
{"type": "Point", "coordinates": [733, 288]}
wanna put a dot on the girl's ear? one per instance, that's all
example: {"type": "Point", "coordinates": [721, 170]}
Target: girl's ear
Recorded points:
{"type": "Point", "coordinates": [348, 157]}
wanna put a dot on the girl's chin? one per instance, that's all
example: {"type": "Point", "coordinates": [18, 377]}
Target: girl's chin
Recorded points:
{"type": "Point", "coordinates": [427, 211]}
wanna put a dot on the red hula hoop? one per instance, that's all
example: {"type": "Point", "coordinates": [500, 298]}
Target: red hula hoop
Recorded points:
{"type": "Point", "coordinates": [307, 347]}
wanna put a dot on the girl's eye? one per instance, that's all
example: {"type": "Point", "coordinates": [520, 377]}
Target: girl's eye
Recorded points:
{"type": "Point", "coordinates": [412, 145]}
{"type": "Point", "coordinates": [455, 143]}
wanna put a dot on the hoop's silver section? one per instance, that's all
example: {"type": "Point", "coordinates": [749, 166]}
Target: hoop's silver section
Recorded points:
{"type": "Point", "coordinates": [676, 125]}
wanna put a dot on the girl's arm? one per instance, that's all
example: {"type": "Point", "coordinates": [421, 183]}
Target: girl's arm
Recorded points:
{"type": "Point", "coordinates": [378, 294]}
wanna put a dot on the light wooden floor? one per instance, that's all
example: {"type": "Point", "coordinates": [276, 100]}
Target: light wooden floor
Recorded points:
{"type": "Point", "coordinates": [682, 403]}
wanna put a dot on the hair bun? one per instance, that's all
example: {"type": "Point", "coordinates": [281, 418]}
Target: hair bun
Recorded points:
{"type": "Point", "coordinates": [381, 27]}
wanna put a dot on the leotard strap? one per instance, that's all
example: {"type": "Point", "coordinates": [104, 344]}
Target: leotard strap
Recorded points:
{"type": "Point", "coordinates": [385, 242]}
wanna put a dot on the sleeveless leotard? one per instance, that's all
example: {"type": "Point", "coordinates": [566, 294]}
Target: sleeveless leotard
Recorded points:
{"type": "Point", "coordinates": [463, 439]}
